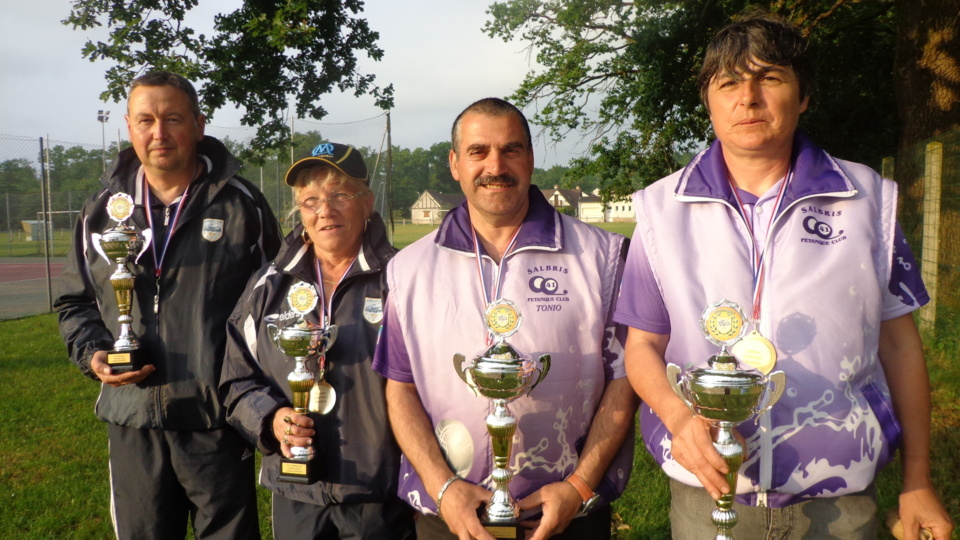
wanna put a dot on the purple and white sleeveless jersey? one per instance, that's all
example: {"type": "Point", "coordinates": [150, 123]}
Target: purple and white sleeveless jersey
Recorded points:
{"type": "Point", "coordinates": [563, 275]}
{"type": "Point", "coordinates": [836, 265]}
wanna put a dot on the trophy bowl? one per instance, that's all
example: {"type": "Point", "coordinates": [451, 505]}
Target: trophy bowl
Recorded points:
{"type": "Point", "coordinates": [720, 396]}
{"type": "Point", "coordinates": [121, 243]}
{"type": "Point", "coordinates": [502, 373]}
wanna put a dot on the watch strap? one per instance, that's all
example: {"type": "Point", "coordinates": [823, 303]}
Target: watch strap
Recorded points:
{"type": "Point", "coordinates": [582, 488]}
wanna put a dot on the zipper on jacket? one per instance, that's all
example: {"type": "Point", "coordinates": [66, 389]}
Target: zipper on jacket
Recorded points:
{"type": "Point", "coordinates": [156, 303]}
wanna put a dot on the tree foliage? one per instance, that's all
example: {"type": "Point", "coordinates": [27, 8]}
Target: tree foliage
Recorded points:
{"type": "Point", "coordinates": [18, 176]}
{"type": "Point", "coordinates": [260, 55]}
{"type": "Point", "coordinates": [76, 168]}
{"type": "Point", "coordinates": [625, 72]}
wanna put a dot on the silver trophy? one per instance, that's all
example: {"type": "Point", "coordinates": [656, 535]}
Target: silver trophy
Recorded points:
{"type": "Point", "coordinates": [725, 396]}
{"type": "Point", "coordinates": [502, 374]}
{"type": "Point", "coordinates": [302, 341]}
{"type": "Point", "coordinates": [119, 245]}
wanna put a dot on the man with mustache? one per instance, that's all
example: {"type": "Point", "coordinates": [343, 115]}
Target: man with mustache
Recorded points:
{"type": "Point", "coordinates": [505, 245]}
{"type": "Point", "coordinates": [808, 245]}
{"type": "Point", "coordinates": [172, 455]}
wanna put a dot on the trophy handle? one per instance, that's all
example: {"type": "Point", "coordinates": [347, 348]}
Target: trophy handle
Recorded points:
{"type": "Point", "coordinates": [327, 337]}
{"type": "Point", "coordinates": [458, 360]}
{"type": "Point", "coordinates": [543, 370]}
{"type": "Point", "coordinates": [673, 377]}
{"type": "Point", "coordinates": [147, 235]}
{"type": "Point", "coordinates": [779, 381]}
{"type": "Point", "coordinates": [274, 332]}
{"type": "Point", "coordinates": [95, 239]}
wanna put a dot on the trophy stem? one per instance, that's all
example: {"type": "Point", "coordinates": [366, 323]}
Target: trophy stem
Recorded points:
{"type": "Point", "coordinates": [122, 283]}
{"type": "Point", "coordinates": [301, 381]}
{"type": "Point", "coordinates": [724, 516]}
{"type": "Point", "coordinates": [501, 426]}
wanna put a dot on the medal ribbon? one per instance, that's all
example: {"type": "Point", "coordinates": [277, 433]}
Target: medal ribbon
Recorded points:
{"type": "Point", "coordinates": [326, 308]}
{"type": "Point", "coordinates": [757, 254]}
{"type": "Point", "coordinates": [158, 261]}
{"type": "Point", "coordinates": [500, 269]}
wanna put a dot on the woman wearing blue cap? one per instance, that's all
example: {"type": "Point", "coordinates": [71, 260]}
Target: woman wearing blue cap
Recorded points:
{"type": "Point", "coordinates": [327, 274]}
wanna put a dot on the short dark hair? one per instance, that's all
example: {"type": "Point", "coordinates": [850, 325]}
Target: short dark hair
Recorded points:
{"type": "Point", "coordinates": [168, 78]}
{"type": "Point", "coordinates": [757, 35]}
{"type": "Point", "coordinates": [489, 107]}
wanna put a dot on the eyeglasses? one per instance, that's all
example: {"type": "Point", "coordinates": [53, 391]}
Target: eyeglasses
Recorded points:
{"type": "Point", "coordinates": [337, 201]}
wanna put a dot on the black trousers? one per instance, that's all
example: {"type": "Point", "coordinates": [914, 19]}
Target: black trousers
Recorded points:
{"type": "Point", "coordinates": [159, 479]}
{"type": "Point", "coordinates": [295, 520]}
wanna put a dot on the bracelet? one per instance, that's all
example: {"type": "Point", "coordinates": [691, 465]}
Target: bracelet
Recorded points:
{"type": "Point", "coordinates": [443, 490]}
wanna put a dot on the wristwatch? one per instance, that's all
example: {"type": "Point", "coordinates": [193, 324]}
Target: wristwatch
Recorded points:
{"type": "Point", "coordinates": [590, 497]}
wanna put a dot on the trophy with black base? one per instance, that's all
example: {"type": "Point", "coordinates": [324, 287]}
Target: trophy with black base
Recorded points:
{"type": "Point", "coordinates": [119, 245]}
{"type": "Point", "coordinates": [502, 374]}
{"type": "Point", "coordinates": [302, 341]}
{"type": "Point", "coordinates": [726, 396]}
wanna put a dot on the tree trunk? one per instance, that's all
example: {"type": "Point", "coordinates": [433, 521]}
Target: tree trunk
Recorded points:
{"type": "Point", "coordinates": [927, 69]}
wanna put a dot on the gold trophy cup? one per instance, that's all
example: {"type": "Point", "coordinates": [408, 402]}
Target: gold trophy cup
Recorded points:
{"type": "Point", "coordinates": [502, 374]}
{"type": "Point", "coordinates": [302, 341]}
{"type": "Point", "coordinates": [119, 245]}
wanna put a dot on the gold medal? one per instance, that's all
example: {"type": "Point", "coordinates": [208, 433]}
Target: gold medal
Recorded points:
{"type": "Point", "coordinates": [322, 397]}
{"type": "Point", "coordinates": [302, 298]}
{"type": "Point", "coordinates": [120, 207]}
{"type": "Point", "coordinates": [756, 351]}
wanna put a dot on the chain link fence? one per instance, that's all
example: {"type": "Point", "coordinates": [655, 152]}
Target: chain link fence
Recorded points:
{"type": "Point", "coordinates": [35, 222]}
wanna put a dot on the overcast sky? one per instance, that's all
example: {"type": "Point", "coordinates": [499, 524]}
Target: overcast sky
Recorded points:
{"type": "Point", "coordinates": [436, 56]}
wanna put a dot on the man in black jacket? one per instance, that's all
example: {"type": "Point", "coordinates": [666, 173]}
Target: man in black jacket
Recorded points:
{"type": "Point", "coordinates": [172, 454]}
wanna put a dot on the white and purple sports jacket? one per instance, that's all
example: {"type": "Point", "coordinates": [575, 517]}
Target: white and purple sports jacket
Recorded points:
{"type": "Point", "coordinates": [563, 275]}
{"type": "Point", "coordinates": [836, 266]}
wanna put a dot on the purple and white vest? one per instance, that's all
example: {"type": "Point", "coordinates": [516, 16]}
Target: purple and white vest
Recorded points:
{"type": "Point", "coordinates": [827, 263]}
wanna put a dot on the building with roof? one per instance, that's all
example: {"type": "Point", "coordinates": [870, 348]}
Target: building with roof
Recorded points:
{"type": "Point", "coordinates": [431, 206]}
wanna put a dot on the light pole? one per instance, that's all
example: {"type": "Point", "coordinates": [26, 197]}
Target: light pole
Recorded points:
{"type": "Point", "coordinates": [103, 117]}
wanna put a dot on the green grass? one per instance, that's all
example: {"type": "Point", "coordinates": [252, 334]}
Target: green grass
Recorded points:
{"type": "Point", "coordinates": [15, 244]}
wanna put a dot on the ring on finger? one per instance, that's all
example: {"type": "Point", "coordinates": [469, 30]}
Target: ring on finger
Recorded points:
{"type": "Point", "coordinates": [287, 431]}
{"type": "Point", "coordinates": [285, 441]}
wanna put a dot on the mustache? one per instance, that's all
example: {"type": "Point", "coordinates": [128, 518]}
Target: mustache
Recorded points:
{"type": "Point", "coordinates": [500, 179]}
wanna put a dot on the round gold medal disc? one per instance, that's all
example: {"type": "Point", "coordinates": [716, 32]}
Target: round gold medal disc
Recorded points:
{"type": "Point", "coordinates": [502, 318]}
{"type": "Point", "coordinates": [302, 298]}
{"type": "Point", "coordinates": [724, 324]}
{"type": "Point", "coordinates": [322, 398]}
{"type": "Point", "coordinates": [120, 207]}
{"type": "Point", "coordinates": [756, 351]}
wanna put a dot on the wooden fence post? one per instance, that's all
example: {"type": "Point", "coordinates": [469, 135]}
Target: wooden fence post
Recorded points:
{"type": "Point", "coordinates": [929, 258]}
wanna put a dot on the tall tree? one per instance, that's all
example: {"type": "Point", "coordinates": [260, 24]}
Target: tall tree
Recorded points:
{"type": "Point", "coordinates": [259, 57]}
{"type": "Point", "coordinates": [625, 73]}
